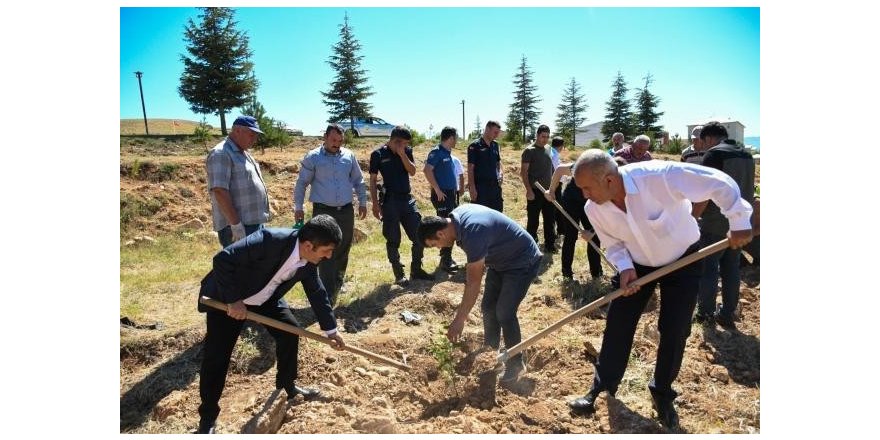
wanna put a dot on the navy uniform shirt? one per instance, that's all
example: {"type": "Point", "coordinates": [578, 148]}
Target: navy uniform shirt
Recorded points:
{"type": "Point", "coordinates": [485, 159]}
{"type": "Point", "coordinates": [486, 233]}
{"type": "Point", "coordinates": [394, 175]}
{"type": "Point", "coordinates": [444, 170]}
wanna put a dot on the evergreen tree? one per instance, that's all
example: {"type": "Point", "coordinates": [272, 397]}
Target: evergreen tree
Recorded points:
{"type": "Point", "coordinates": [349, 90]}
{"type": "Point", "coordinates": [618, 116]}
{"type": "Point", "coordinates": [646, 105]}
{"type": "Point", "coordinates": [524, 110]}
{"type": "Point", "coordinates": [218, 73]}
{"type": "Point", "coordinates": [573, 105]}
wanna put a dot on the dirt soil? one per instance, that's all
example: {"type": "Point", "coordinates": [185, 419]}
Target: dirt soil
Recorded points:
{"type": "Point", "coordinates": [719, 383]}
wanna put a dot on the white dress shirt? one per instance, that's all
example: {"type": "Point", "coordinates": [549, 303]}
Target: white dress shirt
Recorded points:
{"type": "Point", "coordinates": [286, 272]}
{"type": "Point", "coordinates": [657, 227]}
{"type": "Point", "coordinates": [458, 170]}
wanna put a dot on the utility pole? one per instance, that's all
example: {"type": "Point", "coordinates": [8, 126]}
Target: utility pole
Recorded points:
{"type": "Point", "coordinates": [143, 107]}
{"type": "Point", "coordinates": [463, 127]}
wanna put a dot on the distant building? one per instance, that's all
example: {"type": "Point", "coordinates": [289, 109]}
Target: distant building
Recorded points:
{"type": "Point", "coordinates": [585, 134]}
{"type": "Point", "coordinates": [735, 129]}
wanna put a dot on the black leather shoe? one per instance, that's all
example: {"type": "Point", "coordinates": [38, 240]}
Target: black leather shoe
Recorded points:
{"type": "Point", "coordinates": [417, 273]}
{"type": "Point", "coordinates": [724, 321]}
{"type": "Point", "coordinates": [586, 404]}
{"type": "Point", "coordinates": [307, 393]}
{"type": "Point", "coordinates": [666, 414]}
{"type": "Point", "coordinates": [449, 266]}
{"type": "Point", "coordinates": [206, 427]}
{"type": "Point", "coordinates": [705, 319]}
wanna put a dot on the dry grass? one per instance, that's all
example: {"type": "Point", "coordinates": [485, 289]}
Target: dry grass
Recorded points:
{"type": "Point", "coordinates": [162, 126]}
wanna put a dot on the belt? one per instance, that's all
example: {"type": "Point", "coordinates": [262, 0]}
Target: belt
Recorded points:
{"type": "Point", "coordinates": [338, 208]}
{"type": "Point", "coordinates": [401, 195]}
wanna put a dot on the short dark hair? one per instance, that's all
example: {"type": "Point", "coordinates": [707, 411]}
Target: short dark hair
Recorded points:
{"type": "Point", "coordinates": [334, 127]}
{"type": "Point", "coordinates": [401, 132]}
{"type": "Point", "coordinates": [557, 142]}
{"type": "Point", "coordinates": [542, 129]}
{"type": "Point", "coordinates": [321, 230]}
{"type": "Point", "coordinates": [429, 227]}
{"type": "Point", "coordinates": [493, 124]}
{"type": "Point", "coordinates": [714, 129]}
{"type": "Point", "coordinates": [447, 133]}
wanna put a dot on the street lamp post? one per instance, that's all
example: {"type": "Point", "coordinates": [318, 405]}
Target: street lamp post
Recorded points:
{"type": "Point", "coordinates": [143, 107]}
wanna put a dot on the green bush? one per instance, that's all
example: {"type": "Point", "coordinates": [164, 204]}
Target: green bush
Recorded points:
{"type": "Point", "coordinates": [273, 135]}
{"type": "Point", "coordinates": [596, 143]}
{"type": "Point", "coordinates": [417, 138]}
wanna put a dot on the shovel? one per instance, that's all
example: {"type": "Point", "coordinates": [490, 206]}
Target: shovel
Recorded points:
{"type": "Point", "coordinates": [305, 333]}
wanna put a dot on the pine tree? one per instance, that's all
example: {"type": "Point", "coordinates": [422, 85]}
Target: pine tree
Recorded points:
{"type": "Point", "coordinates": [524, 110]}
{"type": "Point", "coordinates": [349, 90]}
{"type": "Point", "coordinates": [218, 74]}
{"type": "Point", "coordinates": [618, 116]}
{"type": "Point", "coordinates": [646, 104]}
{"type": "Point", "coordinates": [573, 105]}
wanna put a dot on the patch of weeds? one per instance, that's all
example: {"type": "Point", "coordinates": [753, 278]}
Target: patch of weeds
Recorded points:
{"type": "Point", "coordinates": [168, 170]}
{"type": "Point", "coordinates": [246, 351]}
{"type": "Point", "coordinates": [132, 207]}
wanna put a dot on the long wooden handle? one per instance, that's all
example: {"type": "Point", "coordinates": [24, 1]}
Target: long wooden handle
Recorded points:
{"type": "Point", "coordinates": [678, 264]}
{"type": "Point", "coordinates": [578, 227]}
{"type": "Point", "coordinates": [304, 333]}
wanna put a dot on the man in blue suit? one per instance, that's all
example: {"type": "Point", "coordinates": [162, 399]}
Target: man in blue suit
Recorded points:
{"type": "Point", "coordinates": [253, 274]}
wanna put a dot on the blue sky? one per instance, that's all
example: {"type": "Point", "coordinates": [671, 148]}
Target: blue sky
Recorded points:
{"type": "Point", "coordinates": [422, 62]}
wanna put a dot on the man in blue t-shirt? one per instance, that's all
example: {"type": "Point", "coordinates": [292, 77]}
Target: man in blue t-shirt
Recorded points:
{"type": "Point", "coordinates": [395, 161]}
{"type": "Point", "coordinates": [493, 241]}
{"type": "Point", "coordinates": [440, 172]}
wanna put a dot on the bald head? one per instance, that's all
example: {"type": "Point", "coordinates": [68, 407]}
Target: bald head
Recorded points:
{"type": "Point", "coordinates": [595, 173]}
{"type": "Point", "coordinates": [595, 162]}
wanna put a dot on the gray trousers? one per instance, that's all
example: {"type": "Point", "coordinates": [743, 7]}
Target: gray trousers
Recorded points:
{"type": "Point", "coordinates": [332, 271]}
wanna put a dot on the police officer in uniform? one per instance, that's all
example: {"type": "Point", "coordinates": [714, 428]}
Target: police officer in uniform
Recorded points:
{"type": "Point", "coordinates": [398, 208]}
{"type": "Point", "coordinates": [440, 172]}
{"type": "Point", "coordinates": [484, 169]}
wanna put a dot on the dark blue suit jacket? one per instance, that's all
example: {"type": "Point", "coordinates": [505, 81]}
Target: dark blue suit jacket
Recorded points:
{"type": "Point", "coordinates": [245, 267]}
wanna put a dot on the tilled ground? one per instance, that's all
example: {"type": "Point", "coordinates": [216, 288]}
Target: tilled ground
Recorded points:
{"type": "Point", "coordinates": [719, 381]}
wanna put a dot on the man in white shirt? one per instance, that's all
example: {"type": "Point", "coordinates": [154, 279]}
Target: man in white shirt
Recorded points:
{"type": "Point", "coordinates": [253, 274]}
{"type": "Point", "coordinates": [642, 214]}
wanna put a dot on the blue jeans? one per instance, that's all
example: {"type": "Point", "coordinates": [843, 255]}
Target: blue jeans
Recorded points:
{"type": "Point", "coordinates": [726, 263]}
{"type": "Point", "coordinates": [503, 293]}
{"type": "Point", "coordinates": [225, 234]}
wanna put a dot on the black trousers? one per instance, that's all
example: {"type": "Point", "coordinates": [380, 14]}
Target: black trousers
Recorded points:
{"type": "Point", "coordinates": [220, 339]}
{"type": "Point", "coordinates": [332, 270]}
{"type": "Point", "coordinates": [678, 297]}
{"type": "Point", "coordinates": [444, 208]}
{"type": "Point", "coordinates": [489, 195]}
{"type": "Point", "coordinates": [400, 210]}
{"type": "Point", "coordinates": [575, 208]}
{"type": "Point", "coordinates": [541, 206]}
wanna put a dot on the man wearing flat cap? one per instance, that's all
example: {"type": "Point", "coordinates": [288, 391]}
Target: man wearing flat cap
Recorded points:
{"type": "Point", "coordinates": [239, 202]}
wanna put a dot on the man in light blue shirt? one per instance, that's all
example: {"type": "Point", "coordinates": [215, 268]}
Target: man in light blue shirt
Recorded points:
{"type": "Point", "coordinates": [334, 174]}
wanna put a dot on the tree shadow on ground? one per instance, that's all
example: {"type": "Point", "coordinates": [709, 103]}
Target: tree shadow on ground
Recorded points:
{"type": "Point", "coordinates": [579, 293]}
{"type": "Point", "coordinates": [360, 313]}
{"type": "Point", "coordinates": [626, 421]}
{"type": "Point", "coordinates": [137, 404]}
{"type": "Point", "coordinates": [739, 353]}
